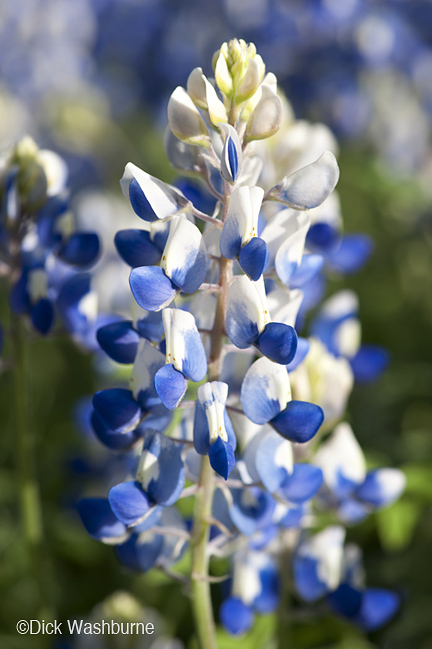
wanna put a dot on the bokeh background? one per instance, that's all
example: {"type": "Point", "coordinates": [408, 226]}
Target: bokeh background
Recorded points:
{"type": "Point", "coordinates": [90, 79]}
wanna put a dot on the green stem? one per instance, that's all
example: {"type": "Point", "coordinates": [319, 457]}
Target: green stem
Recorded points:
{"type": "Point", "coordinates": [284, 611]}
{"type": "Point", "coordinates": [31, 513]}
{"type": "Point", "coordinates": [201, 595]}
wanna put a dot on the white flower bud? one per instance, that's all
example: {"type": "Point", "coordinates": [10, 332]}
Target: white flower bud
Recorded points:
{"type": "Point", "coordinates": [185, 120]}
{"type": "Point", "coordinates": [266, 117]}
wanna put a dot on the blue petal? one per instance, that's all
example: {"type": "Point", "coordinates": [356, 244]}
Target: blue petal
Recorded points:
{"type": "Point", "coordinates": [309, 268]}
{"type": "Point", "coordinates": [278, 342]}
{"type": "Point", "coordinates": [232, 159]}
{"type": "Point", "coordinates": [151, 288]}
{"type": "Point", "coordinates": [271, 474]}
{"type": "Point", "coordinates": [139, 202]}
{"type": "Point", "coordinates": [322, 237]}
{"type": "Point", "coordinates": [302, 351]}
{"type": "Point", "coordinates": [201, 435]}
{"type": "Point", "coordinates": [81, 249]}
{"type": "Point", "coordinates": [70, 294]}
{"type": "Point", "coordinates": [252, 509]}
{"type": "Point", "coordinates": [19, 297]}
{"type": "Point", "coordinates": [129, 502]}
{"type": "Point", "coordinates": [369, 362]}
{"type": "Point", "coordinates": [170, 385]}
{"type": "Point", "coordinates": [195, 361]}
{"type": "Point", "coordinates": [117, 441]}
{"type": "Point", "coordinates": [221, 457]}
{"type": "Point", "coordinates": [241, 330]}
{"type": "Point", "coordinates": [119, 340]}
{"type": "Point", "coordinates": [117, 408]}
{"type": "Point", "coordinates": [99, 520]}
{"type": "Point", "coordinates": [299, 422]}
{"type": "Point", "coordinates": [293, 517]}
{"type": "Point", "coordinates": [231, 239]}
{"type": "Point", "coordinates": [268, 599]}
{"type": "Point", "coordinates": [258, 392]}
{"type": "Point", "coordinates": [167, 487]}
{"type": "Point", "coordinates": [346, 600]}
{"type": "Point", "coordinates": [351, 512]}
{"type": "Point", "coordinates": [191, 272]}
{"type": "Point", "coordinates": [303, 484]}
{"type": "Point", "coordinates": [42, 315]}
{"type": "Point", "coordinates": [381, 487]}
{"type": "Point", "coordinates": [151, 326]}
{"type": "Point", "coordinates": [136, 248]}
{"type": "Point", "coordinates": [140, 554]}
{"type": "Point", "coordinates": [254, 257]}
{"type": "Point", "coordinates": [151, 519]}
{"type": "Point", "coordinates": [235, 616]}
{"type": "Point", "coordinates": [308, 584]}
{"type": "Point", "coordinates": [378, 607]}
{"type": "Point", "coordinates": [352, 254]}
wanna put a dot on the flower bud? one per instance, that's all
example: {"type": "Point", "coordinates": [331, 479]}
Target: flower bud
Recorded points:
{"type": "Point", "coordinates": [266, 117]}
{"type": "Point", "coordinates": [196, 88]}
{"type": "Point", "coordinates": [185, 120]}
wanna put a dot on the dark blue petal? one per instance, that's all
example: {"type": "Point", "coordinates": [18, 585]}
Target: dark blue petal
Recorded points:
{"type": "Point", "coordinates": [42, 315]}
{"type": "Point", "coordinates": [19, 297]}
{"type": "Point", "coordinates": [378, 607]}
{"type": "Point", "coordinates": [308, 584]}
{"type": "Point", "coordinates": [241, 330]}
{"type": "Point", "coordinates": [231, 239]}
{"type": "Point", "coordinates": [70, 294]}
{"type": "Point", "coordinates": [236, 617]}
{"type": "Point", "coordinates": [322, 237]}
{"type": "Point", "coordinates": [139, 202]}
{"type": "Point", "coordinates": [232, 159]}
{"type": "Point", "coordinates": [254, 257]}
{"type": "Point", "coordinates": [303, 483]}
{"type": "Point", "coordinates": [346, 600]}
{"type": "Point", "coordinates": [221, 457]}
{"type": "Point", "coordinates": [307, 271]}
{"type": "Point", "coordinates": [352, 254]}
{"type": "Point", "coordinates": [117, 408]}
{"type": "Point", "coordinates": [369, 362]}
{"type": "Point", "coordinates": [129, 502]}
{"type": "Point", "coordinates": [151, 327]}
{"type": "Point", "coordinates": [170, 385]}
{"type": "Point", "coordinates": [117, 441]}
{"type": "Point", "coordinates": [251, 510]}
{"type": "Point", "coordinates": [99, 520]}
{"type": "Point", "coordinates": [167, 487]}
{"type": "Point", "coordinates": [302, 351]}
{"type": "Point", "coordinates": [140, 554]}
{"type": "Point", "coordinates": [201, 435]}
{"type": "Point", "coordinates": [119, 340]}
{"type": "Point", "coordinates": [151, 288]}
{"type": "Point", "coordinates": [81, 249]}
{"type": "Point", "coordinates": [136, 248]}
{"type": "Point", "coordinates": [299, 422]}
{"type": "Point", "coordinates": [268, 599]}
{"type": "Point", "coordinates": [278, 342]}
